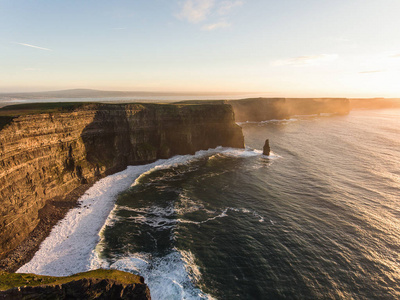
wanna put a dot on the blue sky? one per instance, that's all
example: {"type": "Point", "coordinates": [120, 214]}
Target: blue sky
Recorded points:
{"type": "Point", "coordinates": [281, 48]}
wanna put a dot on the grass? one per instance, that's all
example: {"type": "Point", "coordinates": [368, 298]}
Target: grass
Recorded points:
{"type": "Point", "coordinates": [35, 108]}
{"type": "Point", "coordinates": [12, 280]}
{"type": "Point", "coordinates": [8, 113]}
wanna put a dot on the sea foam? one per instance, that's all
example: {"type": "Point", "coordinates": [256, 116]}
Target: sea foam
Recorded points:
{"type": "Point", "coordinates": [71, 246]}
{"type": "Point", "coordinates": [67, 250]}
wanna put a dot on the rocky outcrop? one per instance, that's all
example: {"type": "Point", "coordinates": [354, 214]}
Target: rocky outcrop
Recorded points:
{"type": "Point", "coordinates": [109, 284]}
{"type": "Point", "coordinates": [262, 109]}
{"type": "Point", "coordinates": [266, 148]}
{"type": "Point", "coordinates": [81, 289]}
{"type": "Point", "coordinates": [47, 155]}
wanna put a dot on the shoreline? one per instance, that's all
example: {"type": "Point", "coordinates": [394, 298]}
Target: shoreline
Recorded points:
{"type": "Point", "coordinates": [68, 249]}
{"type": "Point", "coordinates": [57, 208]}
{"type": "Point", "coordinates": [54, 211]}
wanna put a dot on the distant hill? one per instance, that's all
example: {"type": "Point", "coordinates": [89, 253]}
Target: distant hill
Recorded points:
{"type": "Point", "coordinates": [88, 93]}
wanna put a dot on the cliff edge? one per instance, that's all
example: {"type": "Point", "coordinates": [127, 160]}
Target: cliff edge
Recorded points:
{"type": "Point", "coordinates": [48, 152]}
{"type": "Point", "coordinates": [98, 284]}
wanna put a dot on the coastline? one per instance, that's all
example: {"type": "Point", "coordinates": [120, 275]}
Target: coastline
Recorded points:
{"type": "Point", "coordinates": [53, 212]}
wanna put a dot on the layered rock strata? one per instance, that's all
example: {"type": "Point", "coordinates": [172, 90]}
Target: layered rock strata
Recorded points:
{"type": "Point", "coordinates": [47, 155]}
{"type": "Point", "coordinates": [262, 109]}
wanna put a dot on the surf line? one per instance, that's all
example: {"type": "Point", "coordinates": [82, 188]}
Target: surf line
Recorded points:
{"type": "Point", "coordinates": [69, 247]}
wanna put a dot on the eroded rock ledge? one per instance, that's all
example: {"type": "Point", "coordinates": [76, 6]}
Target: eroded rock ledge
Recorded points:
{"type": "Point", "coordinates": [46, 155]}
{"type": "Point", "coordinates": [98, 284]}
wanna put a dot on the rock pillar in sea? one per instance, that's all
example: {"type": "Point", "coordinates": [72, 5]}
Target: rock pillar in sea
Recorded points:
{"type": "Point", "coordinates": [266, 149]}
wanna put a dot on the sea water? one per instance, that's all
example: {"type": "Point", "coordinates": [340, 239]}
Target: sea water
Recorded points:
{"type": "Point", "coordinates": [319, 218]}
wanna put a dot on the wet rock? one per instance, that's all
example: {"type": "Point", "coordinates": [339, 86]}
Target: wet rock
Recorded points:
{"type": "Point", "coordinates": [266, 149]}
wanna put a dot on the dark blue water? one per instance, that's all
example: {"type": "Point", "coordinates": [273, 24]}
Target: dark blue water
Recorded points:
{"type": "Point", "coordinates": [320, 219]}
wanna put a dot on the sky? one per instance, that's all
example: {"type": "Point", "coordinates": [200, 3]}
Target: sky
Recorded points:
{"type": "Point", "coordinates": [282, 48]}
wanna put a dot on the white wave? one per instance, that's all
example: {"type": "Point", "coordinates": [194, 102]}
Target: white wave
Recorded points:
{"type": "Point", "coordinates": [247, 152]}
{"type": "Point", "coordinates": [68, 248]}
{"type": "Point", "coordinates": [154, 221]}
{"type": "Point", "coordinates": [224, 214]}
{"type": "Point", "coordinates": [71, 246]}
{"type": "Point", "coordinates": [178, 161]}
{"type": "Point", "coordinates": [153, 210]}
{"type": "Point", "coordinates": [187, 205]}
{"type": "Point", "coordinates": [267, 121]}
{"type": "Point", "coordinates": [172, 276]}
{"type": "Point", "coordinates": [221, 215]}
{"type": "Point", "coordinates": [273, 155]}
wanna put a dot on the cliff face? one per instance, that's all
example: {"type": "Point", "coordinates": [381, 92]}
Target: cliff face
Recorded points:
{"type": "Point", "coordinates": [304, 106]}
{"type": "Point", "coordinates": [261, 109]}
{"type": "Point", "coordinates": [47, 155]}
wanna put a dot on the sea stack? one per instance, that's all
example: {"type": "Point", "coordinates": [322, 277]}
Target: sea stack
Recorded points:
{"type": "Point", "coordinates": [266, 149]}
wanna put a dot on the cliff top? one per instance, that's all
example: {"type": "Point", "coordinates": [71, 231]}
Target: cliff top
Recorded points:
{"type": "Point", "coordinates": [37, 108]}
{"type": "Point", "coordinates": [8, 113]}
{"type": "Point", "coordinates": [49, 107]}
{"type": "Point", "coordinates": [12, 280]}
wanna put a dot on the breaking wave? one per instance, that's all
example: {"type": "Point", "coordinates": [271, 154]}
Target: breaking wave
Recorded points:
{"type": "Point", "coordinates": [75, 242]}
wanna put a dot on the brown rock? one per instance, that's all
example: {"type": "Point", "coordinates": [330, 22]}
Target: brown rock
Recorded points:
{"type": "Point", "coordinates": [45, 156]}
{"type": "Point", "coordinates": [266, 148]}
{"type": "Point", "coordinates": [87, 288]}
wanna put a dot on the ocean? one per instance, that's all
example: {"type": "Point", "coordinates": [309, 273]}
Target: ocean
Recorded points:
{"type": "Point", "coordinates": [318, 219]}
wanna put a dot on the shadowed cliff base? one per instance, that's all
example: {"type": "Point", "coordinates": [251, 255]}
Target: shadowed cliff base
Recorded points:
{"type": "Point", "coordinates": [49, 153]}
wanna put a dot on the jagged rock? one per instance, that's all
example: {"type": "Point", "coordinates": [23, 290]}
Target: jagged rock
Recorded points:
{"type": "Point", "coordinates": [266, 148]}
{"type": "Point", "coordinates": [99, 284]}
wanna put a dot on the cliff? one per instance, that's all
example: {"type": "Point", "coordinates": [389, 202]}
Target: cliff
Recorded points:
{"type": "Point", "coordinates": [374, 103]}
{"type": "Point", "coordinates": [98, 284]}
{"type": "Point", "coordinates": [261, 109]}
{"type": "Point", "coordinates": [48, 151]}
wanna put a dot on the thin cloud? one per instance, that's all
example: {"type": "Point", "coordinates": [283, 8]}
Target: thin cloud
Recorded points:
{"type": "Point", "coordinates": [227, 6]}
{"type": "Point", "coordinates": [368, 72]}
{"type": "Point", "coordinates": [338, 39]}
{"type": "Point", "coordinates": [305, 60]}
{"type": "Point", "coordinates": [215, 26]}
{"type": "Point", "coordinates": [196, 11]}
{"type": "Point", "coordinates": [396, 55]}
{"type": "Point", "coordinates": [33, 46]}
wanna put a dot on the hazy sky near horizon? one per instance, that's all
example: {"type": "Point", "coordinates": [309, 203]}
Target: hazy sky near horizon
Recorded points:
{"type": "Point", "coordinates": [301, 48]}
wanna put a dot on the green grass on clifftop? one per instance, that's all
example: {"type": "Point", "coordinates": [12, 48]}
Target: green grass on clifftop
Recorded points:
{"type": "Point", "coordinates": [8, 113]}
{"type": "Point", "coordinates": [12, 280]}
{"type": "Point", "coordinates": [37, 108]}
